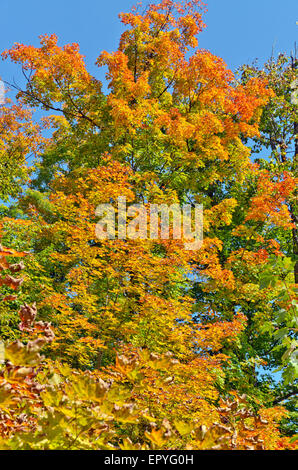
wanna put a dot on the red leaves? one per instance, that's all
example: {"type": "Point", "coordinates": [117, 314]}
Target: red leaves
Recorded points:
{"type": "Point", "coordinates": [12, 282]}
{"type": "Point", "coordinates": [9, 298]}
{"type": "Point", "coordinates": [27, 313]}
{"type": "Point", "coordinates": [15, 268]}
{"type": "Point", "coordinates": [8, 280]}
{"type": "Point", "coordinates": [46, 329]}
{"type": "Point", "coordinates": [27, 316]}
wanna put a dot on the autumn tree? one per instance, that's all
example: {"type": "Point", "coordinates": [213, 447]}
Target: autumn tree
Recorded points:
{"type": "Point", "coordinates": [172, 329]}
{"type": "Point", "coordinates": [275, 151]}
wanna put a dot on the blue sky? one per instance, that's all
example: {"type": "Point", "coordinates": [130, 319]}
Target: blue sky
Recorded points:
{"type": "Point", "coordinates": [237, 30]}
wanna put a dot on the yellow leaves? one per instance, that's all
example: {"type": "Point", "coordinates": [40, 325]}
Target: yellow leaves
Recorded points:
{"type": "Point", "coordinates": [126, 413]}
{"type": "Point", "coordinates": [52, 399]}
{"type": "Point", "coordinates": [128, 445]}
{"type": "Point", "coordinates": [127, 368]}
{"type": "Point", "coordinates": [58, 122]}
{"type": "Point", "coordinates": [82, 387]}
{"type": "Point", "coordinates": [19, 354]}
{"type": "Point", "coordinates": [220, 214]}
{"type": "Point", "coordinates": [72, 403]}
{"type": "Point", "coordinates": [19, 136]}
{"type": "Point", "coordinates": [156, 438]}
{"type": "Point", "coordinates": [93, 343]}
{"type": "Point", "coordinates": [184, 428]}
{"type": "Point", "coordinates": [131, 304]}
{"type": "Point", "coordinates": [156, 361]}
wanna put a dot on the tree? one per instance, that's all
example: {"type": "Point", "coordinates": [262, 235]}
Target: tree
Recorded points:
{"type": "Point", "coordinates": [178, 334]}
{"type": "Point", "coordinates": [278, 137]}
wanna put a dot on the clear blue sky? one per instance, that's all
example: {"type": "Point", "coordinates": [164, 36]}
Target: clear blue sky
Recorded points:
{"type": "Point", "coordinates": [237, 30]}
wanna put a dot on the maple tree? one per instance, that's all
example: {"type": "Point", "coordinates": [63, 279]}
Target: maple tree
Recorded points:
{"type": "Point", "coordinates": [146, 344]}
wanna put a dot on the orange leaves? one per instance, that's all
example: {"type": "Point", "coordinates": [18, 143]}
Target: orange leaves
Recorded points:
{"type": "Point", "coordinates": [167, 388]}
{"type": "Point", "coordinates": [175, 127]}
{"type": "Point", "coordinates": [206, 76]}
{"type": "Point", "coordinates": [192, 105]}
{"type": "Point", "coordinates": [213, 335]}
{"type": "Point", "coordinates": [269, 204]}
{"type": "Point", "coordinates": [249, 98]}
{"type": "Point", "coordinates": [241, 428]}
{"type": "Point", "coordinates": [185, 16]}
{"type": "Point", "coordinates": [183, 110]}
{"type": "Point", "coordinates": [49, 61]}
{"type": "Point", "coordinates": [19, 137]}
{"type": "Point", "coordinates": [56, 75]}
{"type": "Point", "coordinates": [115, 290]}
{"type": "Point", "coordinates": [121, 77]}
{"type": "Point", "coordinates": [98, 185]}
{"type": "Point", "coordinates": [15, 254]}
{"type": "Point", "coordinates": [190, 25]}
{"type": "Point", "coordinates": [5, 252]}
{"type": "Point", "coordinates": [208, 265]}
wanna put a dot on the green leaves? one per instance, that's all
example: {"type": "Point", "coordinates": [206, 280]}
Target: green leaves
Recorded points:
{"type": "Point", "coordinates": [285, 326]}
{"type": "Point", "coordinates": [276, 270]}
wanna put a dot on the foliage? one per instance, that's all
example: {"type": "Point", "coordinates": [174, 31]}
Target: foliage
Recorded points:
{"type": "Point", "coordinates": [145, 344]}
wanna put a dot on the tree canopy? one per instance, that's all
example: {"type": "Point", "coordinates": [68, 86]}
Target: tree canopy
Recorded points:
{"type": "Point", "coordinates": [143, 344]}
